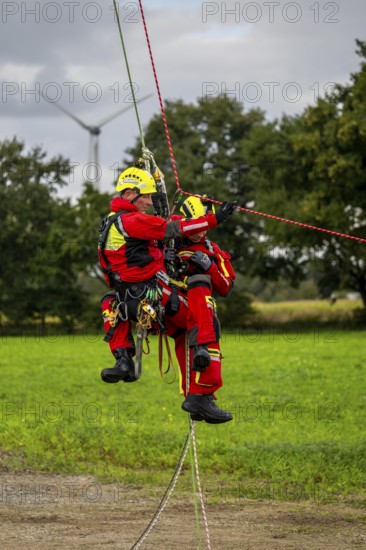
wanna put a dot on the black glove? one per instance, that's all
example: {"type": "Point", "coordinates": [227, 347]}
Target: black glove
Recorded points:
{"type": "Point", "coordinates": [226, 210]}
{"type": "Point", "coordinates": [206, 203]}
{"type": "Point", "coordinates": [201, 260]}
{"type": "Point", "coordinates": [170, 254]}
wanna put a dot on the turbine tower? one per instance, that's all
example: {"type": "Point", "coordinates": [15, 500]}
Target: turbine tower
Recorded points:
{"type": "Point", "coordinates": [94, 132]}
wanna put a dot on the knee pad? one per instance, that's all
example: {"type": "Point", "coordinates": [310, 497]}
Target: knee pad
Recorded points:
{"type": "Point", "coordinates": [199, 280]}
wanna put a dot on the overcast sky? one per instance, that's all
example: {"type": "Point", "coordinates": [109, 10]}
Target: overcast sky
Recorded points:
{"type": "Point", "coordinates": [278, 56]}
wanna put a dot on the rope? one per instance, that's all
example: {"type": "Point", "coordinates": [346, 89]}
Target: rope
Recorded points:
{"type": "Point", "coordinates": [199, 546]}
{"type": "Point", "coordinates": [170, 358]}
{"type": "Point", "coordinates": [195, 468]}
{"type": "Point", "coordinates": [301, 224]}
{"type": "Point", "coordinates": [168, 493]}
{"type": "Point", "coordinates": [193, 438]}
{"type": "Point", "coordinates": [167, 133]}
{"type": "Point", "coordinates": [129, 73]}
{"type": "Point", "coordinates": [191, 430]}
{"type": "Point", "coordinates": [279, 219]}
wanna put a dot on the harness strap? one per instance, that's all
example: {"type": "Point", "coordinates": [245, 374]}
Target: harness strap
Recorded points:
{"type": "Point", "coordinates": [172, 305]}
{"type": "Point", "coordinates": [209, 246]}
{"type": "Point", "coordinates": [104, 232]}
{"type": "Point", "coordinates": [108, 337]}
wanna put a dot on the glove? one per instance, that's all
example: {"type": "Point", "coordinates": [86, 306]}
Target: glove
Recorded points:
{"type": "Point", "coordinates": [201, 260]}
{"type": "Point", "coordinates": [170, 254]}
{"type": "Point", "coordinates": [226, 210]}
{"type": "Point", "coordinates": [206, 203]}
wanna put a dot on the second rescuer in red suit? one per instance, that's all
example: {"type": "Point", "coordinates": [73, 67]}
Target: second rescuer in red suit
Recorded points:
{"type": "Point", "coordinates": [205, 257]}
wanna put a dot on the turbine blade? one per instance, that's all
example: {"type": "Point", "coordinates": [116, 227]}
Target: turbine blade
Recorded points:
{"type": "Point", "coordinates": [115, 115]}
{"type": "Point", "coordinates": [68, 113]}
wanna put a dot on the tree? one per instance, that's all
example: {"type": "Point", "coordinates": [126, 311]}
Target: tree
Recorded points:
{"type": "Point", "coordinates": [38, 271]}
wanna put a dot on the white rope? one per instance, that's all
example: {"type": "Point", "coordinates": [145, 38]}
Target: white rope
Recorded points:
{"type": "Point", "coordinates": [165, 502]}
{"type": "Point", "coordinates": [192, 434]}
{"type": "Point", "coordinates": [177, 474]}
{"type": "Point", "coordinates": [192, 429]}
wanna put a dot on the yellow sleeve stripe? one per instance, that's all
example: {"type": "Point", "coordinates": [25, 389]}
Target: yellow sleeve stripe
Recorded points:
{"type": "Point", "coordinates": [222, 266]}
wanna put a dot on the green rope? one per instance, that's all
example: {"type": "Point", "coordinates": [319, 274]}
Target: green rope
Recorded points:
{"type": "Point", "coordinates": [129, 73]}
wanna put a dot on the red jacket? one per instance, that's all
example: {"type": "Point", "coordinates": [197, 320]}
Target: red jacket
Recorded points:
{"type": "Point", "coordinates": [131, 249]}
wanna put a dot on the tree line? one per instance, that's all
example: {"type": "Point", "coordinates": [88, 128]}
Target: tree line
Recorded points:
{"type": "Point", "coordinates": [310, 167]}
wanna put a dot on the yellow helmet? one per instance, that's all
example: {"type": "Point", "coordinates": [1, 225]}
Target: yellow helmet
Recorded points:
{"type": "Point", "coordinates": [194, 207]}
{"type": "Point", "coordinates": [137, 179]}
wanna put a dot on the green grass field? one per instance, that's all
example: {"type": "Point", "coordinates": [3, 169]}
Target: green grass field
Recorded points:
{"type": "Point", "coordinates": [298, 401]}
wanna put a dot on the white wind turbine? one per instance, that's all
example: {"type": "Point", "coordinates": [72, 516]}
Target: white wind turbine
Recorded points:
{"type": "Point", "coordinates": [94, 132]}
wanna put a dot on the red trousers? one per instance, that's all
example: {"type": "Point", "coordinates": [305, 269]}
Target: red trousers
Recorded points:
{"type": "Point", "coordinates": [195, 319]}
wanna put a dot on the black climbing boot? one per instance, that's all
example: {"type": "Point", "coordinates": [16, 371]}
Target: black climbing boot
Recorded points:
{"type": "Point", "coordinates": [203, 407]}
{"type": "Point", "coordinates": [124, 369]}
{"type": "Point", "coordinates": [201, 358]}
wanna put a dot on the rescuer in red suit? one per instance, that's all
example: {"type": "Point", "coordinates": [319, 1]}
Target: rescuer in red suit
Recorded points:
{"type": "Point", "coordinates": [204, 258]}
{"type": "Point", "coordinates": [131, 260]}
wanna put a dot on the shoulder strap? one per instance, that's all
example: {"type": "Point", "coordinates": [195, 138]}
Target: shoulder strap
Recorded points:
{"type": "Point", "coordinates": [209, 246]}
{"type": "Point", "coordinates": [104, 231]}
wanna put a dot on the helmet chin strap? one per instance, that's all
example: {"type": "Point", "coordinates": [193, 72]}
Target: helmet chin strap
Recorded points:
{"type": "Point", "coordinates": [136, 191]}
{"type": "Point", "coordinates": [135, 198]}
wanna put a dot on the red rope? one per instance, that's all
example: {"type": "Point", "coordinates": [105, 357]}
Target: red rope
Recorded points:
{"type": "Point", "coordinates": [300, 224]}
{"type": "Point", "coordinates": [170, 147]}
{"type": "Point", "coordinates": [277, 218]}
